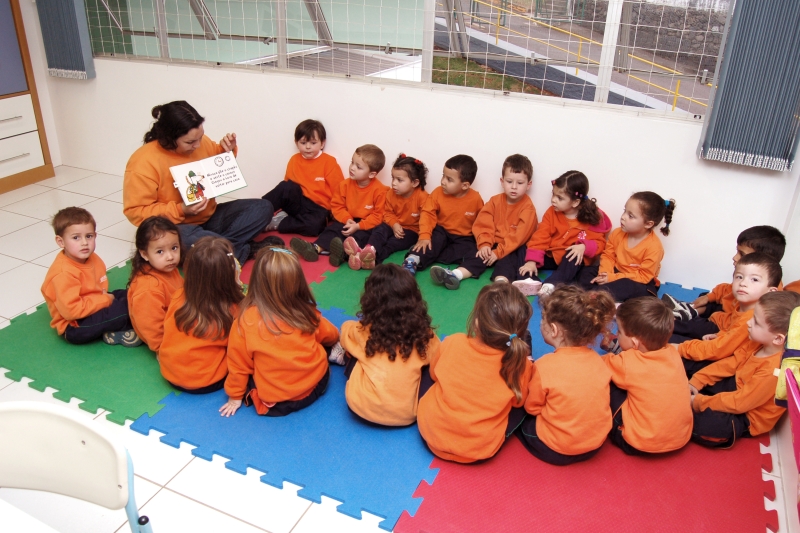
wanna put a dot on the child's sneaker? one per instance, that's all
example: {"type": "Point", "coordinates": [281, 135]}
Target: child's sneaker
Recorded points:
{"type": "Point", "coordinates": [681, 310]}
{"type": "Point", "coordinates": [546, 289]}
{"type": "Point", "coordinates": [410, 266]}
{"type": "Point", "coordinates": [610, 343]}
{"type": "Point", "coordinates": [446, 277]}
{"type": "Point", "coordinates": [304, 249]}
{"type": "Point", "coordinates": [336, 257]}
{"type": "Point", "coordinates": [337, 354]}
{"type": "Point", "coordinates": [353, 251]}
{"type": "Point", "coordinates": [129, 338]}
{"type": "Point", "coordinates": [277, 218]}
{"type": "Point", "coordinates": [528, 287]}
{"type": "Point", "coordinates": [368, 256]}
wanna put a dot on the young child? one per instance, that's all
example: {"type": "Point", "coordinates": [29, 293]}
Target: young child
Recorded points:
{"type": "Point", "coordinates": [568, 395]}
{"type": "Point", "coordinates": [734, 397]}
{"type": "Point", "coordinates": [154, 278]}
{"type": "Point", "coordinates": [445, 226]}
{"type": "Point", "coordinates": [755, 275]}
{"type": "Point", "coordinates": [573, 228]}
{"type": "Point", "coordinates": [400, 227]}
{"type": "Point", "coordinates": [632, 257]}
{"type": "Point", "coordinates": [76, 286]}
{"type": "Point", "coordinates": [357, 205]}
{"type": "Point", "coordinates": [649, 383]}
{"type": "Point", "coordinates": [388, 346]}
{"type": "Point", "coordinates": [507, 220]}
{"type": "Point", "coordinates": [276, 352]}
{"type": "Point", "coordinates": [312, 177]}
{"type": "Point", "coordinates": [480, 379]}
{"type": "Point", "coordinates": [199, 318]}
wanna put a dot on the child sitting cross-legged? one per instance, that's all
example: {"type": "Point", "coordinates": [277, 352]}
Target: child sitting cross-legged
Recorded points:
{"type": "Point", "coordinates": [734, 397]}
{"type": "Point", "coordinates": [277, 359]}
{"type": "Point", "coordinates": [649, 385]}
{"type": "Point", "coordinates": [389, 348]}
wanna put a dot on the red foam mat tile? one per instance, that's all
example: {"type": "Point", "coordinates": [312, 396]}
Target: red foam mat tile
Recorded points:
{"type": "Point", "coordinates": [692, 490]}
{"type": "Point", "coordinates": [313, 271]}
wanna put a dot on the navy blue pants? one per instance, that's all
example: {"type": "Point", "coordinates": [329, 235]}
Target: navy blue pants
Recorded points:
{"type": "Point", "coordinates": [527, 435]}
{"type": "Point", "coordinates": [386, 243]}
{"type": "Point", "coordinates": [334, 230]}
{"type": "Point", "coordinates": [305, 216]}
{"type": "Point", "coordinates": [108, 320]}
{"type": "Point", "coordinates": [621, 289]}
{"type": "Point", "coordinates": [450, 249]}
{"type": "Point", "coordinates": [508, 266]}
{"type": "Point", "coordinates": [723, 428]}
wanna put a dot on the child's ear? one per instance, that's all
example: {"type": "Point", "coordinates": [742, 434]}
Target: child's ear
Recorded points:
{"type": "Point", "coordinates": [60, 241]}
{"type": "Point", "coordinates": [649, 224]}
{"type": "Point", "coordinates": [773, 289]}
{"type": "Point", "coordinates": [322, 145]}
{"type": "Point", "coordinates": [372, 175]}
{"type": "Point", "coordinates": [636, 343]}
{"type": "Point", "coordinates": [143, 256]}
{"type": "Point", "coordinates": [575, 203]}
{"type": "Point", "coordinates": [465, 185]}
{"type": "Point", "coordinates": [779, 339]}
{"type": "Point", "coordinates": [530, 182]}
{"type": "Point", "coordinates": [415, 183]}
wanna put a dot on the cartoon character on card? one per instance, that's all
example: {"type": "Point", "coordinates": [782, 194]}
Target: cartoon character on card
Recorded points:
{"type": "Point", "coordinates": [195, 189]}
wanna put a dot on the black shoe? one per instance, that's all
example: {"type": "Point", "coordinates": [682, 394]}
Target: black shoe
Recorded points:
{"type": "Point", "coordinates": [270, 242]}
{"type": "Point", "coordinates": [681, 310]}
{"type": "Point", "coordinates": [304, 249]}
{"type": "Point", "coordinates": [337, 252]}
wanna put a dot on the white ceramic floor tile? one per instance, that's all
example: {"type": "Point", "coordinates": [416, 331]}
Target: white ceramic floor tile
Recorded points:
{"type": "Point", "coordinates": [4, 322]}
{"type": "Point", "coordinates": [21, 391]}
{"type": "Point", "coordinates": [65, 175]}
{"type": "Point", "coordinates": [97, 185]}
{"type": "Point", "coordinates": [29, 243]}
{"type": "Point", "coordinates": [124, 231]}
{"type": "Point", "coordinates": [22, 193]}
{"type": "Point", "coordinates": [244, 497]}
{"type": "Point", "coordinates": [70, 515]}
{"type": "Point", "coordinates": [20, 289]}
{"type": "Point", "coordinates": [105, 213]}
{"type": "Point", "coordinates": [169, 511]}
{"type": "Point", "coordinates": [114, 197]}
{"type": "Point", "coordinates": [324, 517]}
{"type": "Point", "coordinates": [44, 206]}
{"type": "Point", "coordinates": [17, 521]}
{"type": "Point", "coordinates": [112, 251]}
{"type": "Point", "coordinates": [10, 222]}
{"type": "Point", "coordinates": [7, 263]}
{"type": "Point", "coordinates": [4, 381]}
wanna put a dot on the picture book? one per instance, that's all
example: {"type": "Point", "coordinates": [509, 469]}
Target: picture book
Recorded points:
{"type": "Point", "coordinates": [207, 178]}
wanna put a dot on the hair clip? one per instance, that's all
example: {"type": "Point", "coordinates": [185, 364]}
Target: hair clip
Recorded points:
{"type": "Point", "coordinates": [417, 161]}
{"type": "Point", "coordinates": [666, 203]}
{"type": "Point", "coordinates": [511, 338]}
{"type": "Point", "coordinates": [282, 250]}
{"type": "Point", "coordinates": [577, 193]}
{"type": "Point", "coordinates": [585, 196]}
{"type": "Point", "coordinates": [403, 156]}
{"type": "Point", "coordinates": [553, 183]}
{"type": "Point", "coordinates": [229, 254]}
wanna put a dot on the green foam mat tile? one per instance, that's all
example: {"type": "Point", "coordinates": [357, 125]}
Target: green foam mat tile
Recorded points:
{"type": "Point", "coordinates": [125, 381]}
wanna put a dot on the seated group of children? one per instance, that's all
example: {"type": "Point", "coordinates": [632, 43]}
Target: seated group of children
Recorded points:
{"type": "Point", "coordinates": [674, 372]}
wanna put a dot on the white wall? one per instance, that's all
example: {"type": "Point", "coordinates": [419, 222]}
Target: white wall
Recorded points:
{"type": "Point", "coordinates": [101, 121]}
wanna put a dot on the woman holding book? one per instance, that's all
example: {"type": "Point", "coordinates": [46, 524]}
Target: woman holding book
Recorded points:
{"type": "Point", "coordinates": [148, 189]}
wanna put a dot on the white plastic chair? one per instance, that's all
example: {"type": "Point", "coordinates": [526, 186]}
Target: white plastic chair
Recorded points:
{"type": "Point", "coordinates": [50, 448]}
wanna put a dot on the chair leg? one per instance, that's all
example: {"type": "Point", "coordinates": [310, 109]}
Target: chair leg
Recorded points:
{"type": "Point", "coordinates": [139, 524]}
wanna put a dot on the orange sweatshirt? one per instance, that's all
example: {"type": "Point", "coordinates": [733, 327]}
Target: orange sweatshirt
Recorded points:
{"type": "Point", "coordinates": [755, 387]}
{"type": "Point", "coordinates": [351, 202]}
{"type": "Point", "coordinates": [379, 390]}
{"type": "Point", "coordinates": [188, 361]}
{"type": "Point", "coordinates": [149, 190]}
{"type": "Point", "coordinates": [285, 367]}
{"type": "Point", "coordinates": [727, 341]}
{"type": "Point", "coordinates": [793, 286]}
{"type": "Point", "coordinates": [569, 395]}
{"type": "Point", "coordinates": [74, 290]}
{"type": "Point", "coordinates": [455, 215]}
{"type": "Point", "coordinates": [640, 263]}
{"type": "Point", "coordinates": [723, 295]}
{"type": "Point", "coordinates": [319, 178]}
{"type": "Point", "coordinates": [149, 296]}
{"type": "Point", "coordinates": [508, 226]}
{"type": "Point", "coordinates": [404, 211]}
{"type": "Point", "coordinates": [657, 415]}
{"type": "Point", "coordinates": [464, 415]}
{"type": "Point", "coordinates": [556, 233]}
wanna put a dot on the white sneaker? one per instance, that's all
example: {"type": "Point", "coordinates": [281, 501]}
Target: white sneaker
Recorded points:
{"type": "Point", "coordinates": [528, 287]}
{"type": "Point", "coordinates": [546, 289]}
{"type": "Point", "coordinates": [276, 220]}
{"type": "Point", "coordinates": [337, 354]}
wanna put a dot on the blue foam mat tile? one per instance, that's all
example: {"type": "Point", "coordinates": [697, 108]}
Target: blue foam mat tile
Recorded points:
{"type": "Point", "coordinates": [325, 449]}
{"type": "Point", "coordinates": [680, 293]}
{"type": "Point", "coordinates": [337, 316]}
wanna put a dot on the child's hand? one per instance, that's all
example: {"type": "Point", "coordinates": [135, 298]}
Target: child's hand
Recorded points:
{"type": "Point", "coordinates": [350, 227]}
{"type": "Point", "coordinates": [529, 268]}
{"type": "Point", "coordinates": [194, 209]}
{"type": "Point", "coordinates": [484, 253]}
{"type": "Point", "coordinates": [710, 337]}
{"type": "Point", "coordinates": [693, 390]}
{"type": "Point", "coordinates": [110, 295]}
{"type": "Point", "coordinates": [695, 407]}
{"type": "Point", "coordinates": [422, 245]}
{"type": "Point", "coordinates": [398, 230]}
{"type": "Point", "coordinates": [674, 345]}
{"type": "Point", "coordinates": [701, 301]}
{"type": "Point", "coordinates": [228, 142]}
{"type": "Point", "coordinates": [575, 253]}
{"type": "Point", "coordinates": [601, 279]}
{"type": "Point", "coordinates": [230, 407]}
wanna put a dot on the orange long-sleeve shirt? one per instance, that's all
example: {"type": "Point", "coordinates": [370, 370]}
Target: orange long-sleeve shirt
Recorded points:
{"type": "Point", "coordinates": [284, 367]}
{"type": "Point", "coordinates": [455, 215]}
{"type": "Point", "coordinates": [723, 295]}
{"type": "Point", "coordinates": [727, 341]}
{"type": "Point", "coordinates": [453, 423]}
{"type": "Point", "coordinates": [74, 290]}
{"type": "Point", "coordinates": [793, 286]}
{"type": "Point", "coordinates": [569, 395]}
{"type": "Point", "coordinates": [405, 211]}
{"type": "Point", "coordinates": [508, 226]}
{"type": "Point", "coordinates": [657, 415]}
{"type": "Point", "coordinates": [379, 390]}
{"type": "Point", "coordinates": [755, 387]}
{"type": "Point", "coordinates": [353, 202]}
{"type": "Point", "coordinates": [556, 233]}
{"type": "Point", "coordinates": [186, 360]}
{"type": "Point", "coordinates": [641, 263]}
{"type": "Point", "coordinates": [149, 296]}
{"type": "Point", "coordinates": [319, 178]}
{"type": "Point", "coordinates": [148, 188]}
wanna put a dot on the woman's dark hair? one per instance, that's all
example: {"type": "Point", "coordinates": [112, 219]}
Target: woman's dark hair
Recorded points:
{"type": "Point", "coordinates": [151, 229]}
{"type": "Point", "coordinates": [393, 308]}
{"type": "Point", "coordinates": [576, 187]}
{"type": "Point", "coordinates": [173, 120]}
{"type": "Point", "coordinates": [655, 209]}
{"type": "Point", "coordinates": [415, 169]}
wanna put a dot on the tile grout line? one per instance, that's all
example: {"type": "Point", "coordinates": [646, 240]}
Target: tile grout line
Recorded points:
{"type": "Point", "coordinates": [310, 503]}
{"type": "Point", "coordinates": [214, 508]}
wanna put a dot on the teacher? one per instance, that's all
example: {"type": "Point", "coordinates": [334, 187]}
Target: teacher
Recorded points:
{"type": "Point", "coordinates": [177, 137]}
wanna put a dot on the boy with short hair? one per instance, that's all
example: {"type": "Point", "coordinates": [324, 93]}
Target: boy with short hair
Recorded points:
{"type": "Point", "coordinates": [445, 226]}
{"type": "Point", "coordinates": [646, 378]}
{"type": "Point", "coordinates": [305, 194]}
{"type": "Point", "coordinates": [734, 397]}
{"type": "Point", "coordinates": [76, 286]}
{"type": "Point", "coordinates": [357, 204]}
{"type": "Point", "coordinates": [507, 220]}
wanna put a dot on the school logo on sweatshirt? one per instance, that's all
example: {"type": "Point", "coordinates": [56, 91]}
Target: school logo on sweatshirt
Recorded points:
{"type": "Point", "coordinates": [582, 236]}
{"type": "Point", "coordinates": [319, 179]}
{"type": "Point", "coordinates": [469, 214]}
{"type": "Point", "coordinates": [368, 207]}
{"type": "Point", "coordinates": [415, 214]}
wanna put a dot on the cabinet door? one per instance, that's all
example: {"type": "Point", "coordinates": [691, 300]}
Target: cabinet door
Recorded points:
{"type": "Point", "coordinates": [12, 73]}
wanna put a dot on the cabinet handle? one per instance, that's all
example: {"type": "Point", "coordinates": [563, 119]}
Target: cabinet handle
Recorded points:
{"type": "Point", "coordinates": [15, 157]}
{"type": "Point", "coordinates": [11, 118]}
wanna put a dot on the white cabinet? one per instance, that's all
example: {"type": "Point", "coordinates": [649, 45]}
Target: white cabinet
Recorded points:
{"type": "Point", "coordinates": [20, 149]}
